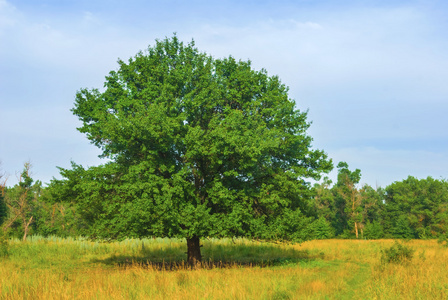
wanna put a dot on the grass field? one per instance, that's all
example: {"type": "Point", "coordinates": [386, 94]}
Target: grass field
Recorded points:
{"type": "Point", "coordinates": [54, 268]}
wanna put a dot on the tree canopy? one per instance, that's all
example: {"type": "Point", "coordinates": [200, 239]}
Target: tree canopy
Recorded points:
{"type": "Point", "coordinates": [417, 208]}
{"type": "Point", "coordinates": [198, 146]}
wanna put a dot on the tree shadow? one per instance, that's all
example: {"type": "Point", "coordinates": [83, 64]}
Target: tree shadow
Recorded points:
{"type": "Point", "coordinates": [214, 256]}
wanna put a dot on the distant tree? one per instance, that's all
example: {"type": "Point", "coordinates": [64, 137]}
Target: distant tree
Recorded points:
{"type": "Point", "coordinates": [199, 147]}
{"type": "Point", "coordinates": [373, 230]}
{"type": "Point", "coordinates": [3, 207]}
{"type": "Point", "coordinates": [324, 200]}
{"type": "Point", "coordinates": [322, 229]}
{"type": "Point", "coordinates": [55, 214]}
{"type": "Point", "coordinates": [403, 228]}
{"type": "Point", "coordinates": [351, 197]}
{"type": "Point", "coordinates": [372, 208]}
{"type": "Point", "coordinates": [372, 204]}
{"type": "Point", "coordinates": [20, 201]}
{"type": "Point", "coordinates": [346, 207]}
{"type": "Point", "coordinates": [417, 208]}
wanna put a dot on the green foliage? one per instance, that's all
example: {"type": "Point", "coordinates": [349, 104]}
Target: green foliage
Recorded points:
{"type": "Point", "coordinates": [199, 147]}
{"type": "Point", "coordinates": [410, 209]}
{"type": "Point", "coordinates": [347, 207]}
{"type": "Point", "coordinates": [288, 226]}
{"type": "Point", "coordinates": [349, 199]}
{"type": "Point", "coordinates": [3, 207]}
{"type": "Point", "coordinates": [417, 208]}
{"type": "Point", "coordinates": [323, 202]}
{"type": "Point", "coordinates": [397, 253]}
{"type": "Point", "coordinates": [373, 230]}
{"type": "Point", "coordinates": [21, 201]}
{"type": "Point", "coordinates": [56, 213]}
{"type": "Point", "coordinates": [403, 228]}
{"type": "Point", "coordinates": [347, 177]}
{"type": "Point", "coordinates": [347, 234]}
{"type": "Point", "coordinates": [4, 245]}
{"type": "Point", "coordinates": [322, 229]}
{"type": "Point", "coordinates": [443, 240]}
{"type": "Point", "coordinates": [59, 219]}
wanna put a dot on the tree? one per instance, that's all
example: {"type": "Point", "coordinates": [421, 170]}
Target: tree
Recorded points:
{"type": "Point", "coordinates": [20, 201]}
{"type": "Point", "coordinates": [372, 203]}
{"type": "Point", "coordinates": [199, 147]}
{"type": "Point", "coordinates": [322, 229]}
{"type": "Point", "coordinates": [55, 213]}
{"type": "Point", "coordinates": [346, 188]}
{"type": "Point", "coordinates": [324, 200]}
{"type": "Point", "coordinates": [417, 208]}
{"type": "Point", "coordinates": [3, 207]}
{"type": "Point", "coordinates": [373, 230]}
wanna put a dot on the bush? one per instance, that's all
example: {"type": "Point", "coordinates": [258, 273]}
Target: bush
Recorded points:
{"type": "Point", "coordinates": [443, 239]}
{"type": "Point", "coordinates": [398, 254]}
{"type": "Point", "coordinates": [347, 234]}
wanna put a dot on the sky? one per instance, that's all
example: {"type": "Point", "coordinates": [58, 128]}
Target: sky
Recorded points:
{"type": "Point", "coordinates": [373, 75]}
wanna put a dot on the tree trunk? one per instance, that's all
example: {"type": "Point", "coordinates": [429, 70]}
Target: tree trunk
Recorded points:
{"type": "Point", "coordinates": [194, 251]}
{"type": "Point", "coordinates": [26, 225]}
{"type": "Point", "coordinates": [356, 229]}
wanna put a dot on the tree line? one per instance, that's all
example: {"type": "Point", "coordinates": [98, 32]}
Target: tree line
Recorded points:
{"type": "Point", "coordinates": [408, 209]}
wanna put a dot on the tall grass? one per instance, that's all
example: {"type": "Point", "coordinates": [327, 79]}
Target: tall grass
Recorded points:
{"type": "Point", "coordinates": [54, 268]}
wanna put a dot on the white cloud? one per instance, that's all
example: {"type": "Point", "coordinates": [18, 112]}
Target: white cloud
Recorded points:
{"type": "Point", "coordinates": [367, 74]}
{"type": "Point", "coordinates": [373, 49]}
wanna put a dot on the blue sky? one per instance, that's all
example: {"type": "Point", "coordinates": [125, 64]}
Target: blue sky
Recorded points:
{"type": "Point", "coordinates": [373, 74]}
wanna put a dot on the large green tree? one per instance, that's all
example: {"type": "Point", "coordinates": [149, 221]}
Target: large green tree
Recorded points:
{"type": "Point", "coordinates": [199, 147]}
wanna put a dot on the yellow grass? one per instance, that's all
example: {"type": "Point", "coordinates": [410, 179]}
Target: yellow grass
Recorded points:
{"type": "Point", "coordinates": [331, 269]}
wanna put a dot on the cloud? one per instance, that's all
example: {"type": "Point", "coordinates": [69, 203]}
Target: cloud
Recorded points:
{"type": "Point", "coordinates": [364, 72]}
{"type": "Point", "coordinates": [373, 50]}
{"type": "Point", "coordinates": [373, 77]}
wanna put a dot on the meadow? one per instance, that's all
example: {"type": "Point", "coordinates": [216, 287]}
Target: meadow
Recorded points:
{"type": "Point", "coordinates": [56, 268]}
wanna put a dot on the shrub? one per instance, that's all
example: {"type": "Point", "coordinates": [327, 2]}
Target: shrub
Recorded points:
{"type": "Point", "coordinates": [398, 253]}
{"type": "Point", "coordinates": [443, 239]}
